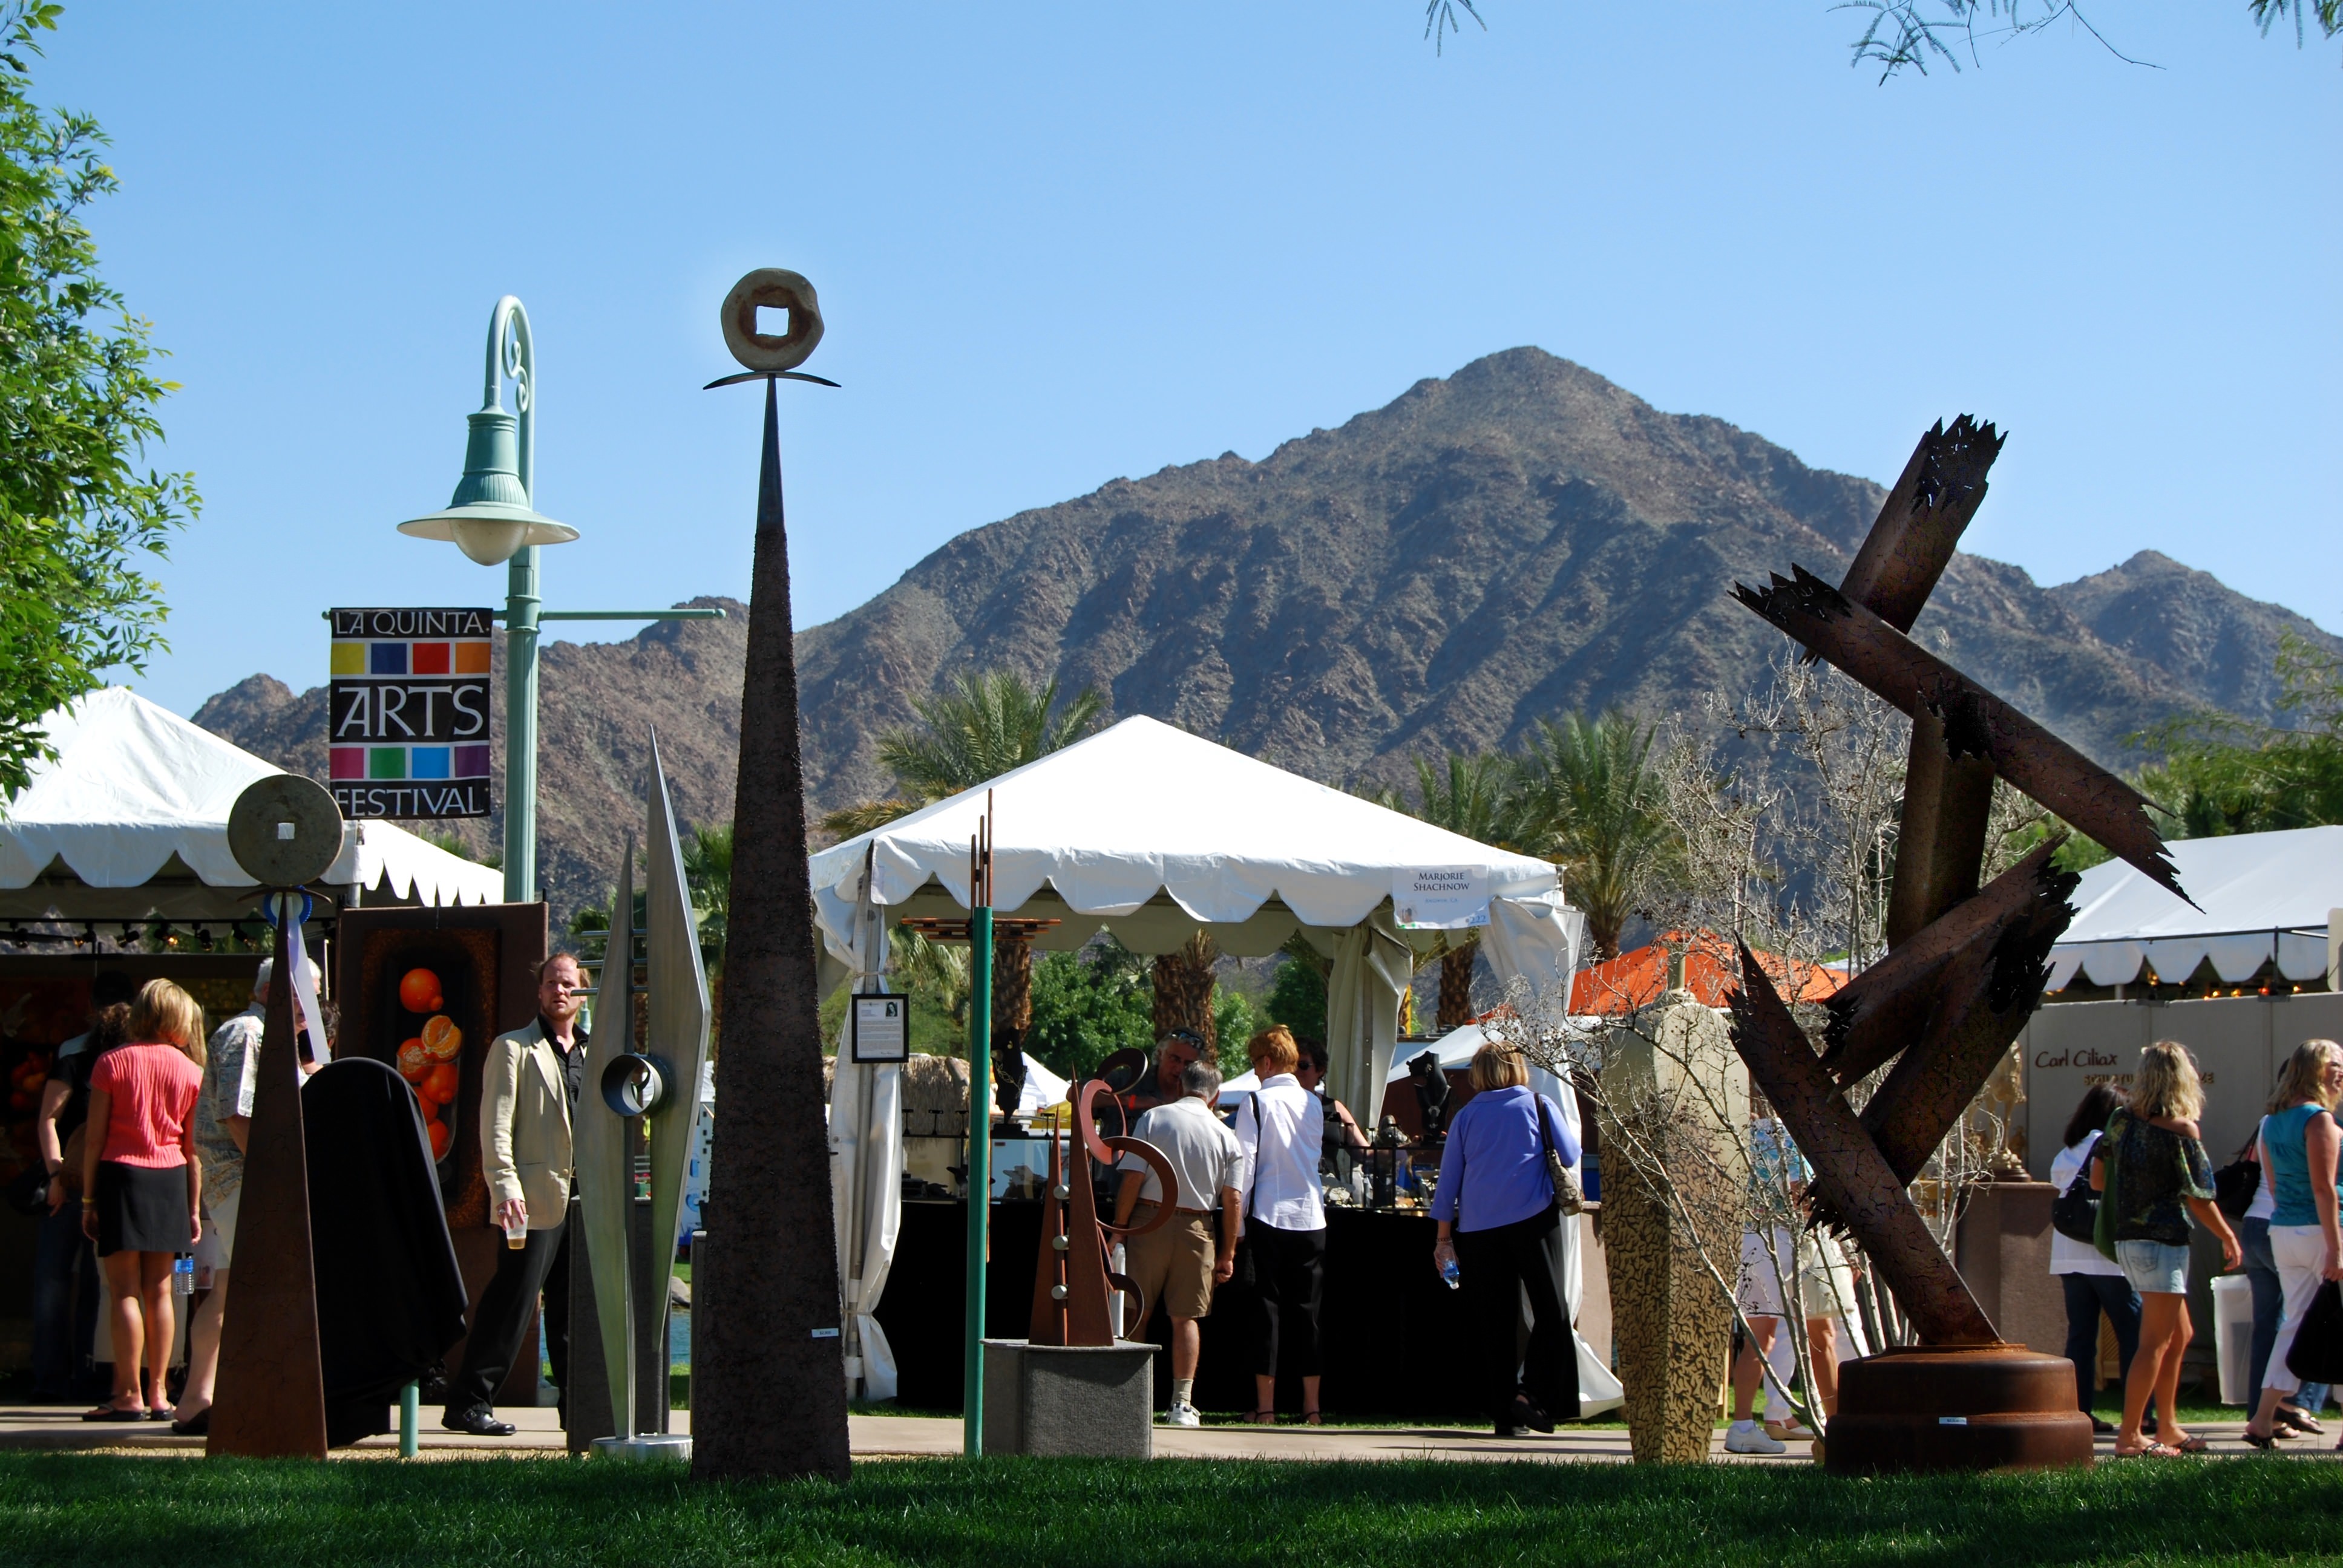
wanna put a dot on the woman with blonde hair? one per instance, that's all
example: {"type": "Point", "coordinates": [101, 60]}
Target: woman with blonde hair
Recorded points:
{"type": "Point", "coordinates": [1284, 1223]}
{"type": "Point", "coordinates": [1500, 1215]}
{"type": "Point", "coordinates": [2299, 1144]}
{"type": "Point", "coordinates": [142, 1186]}
{"type": "Point", "coordinates": [2152, 1167]}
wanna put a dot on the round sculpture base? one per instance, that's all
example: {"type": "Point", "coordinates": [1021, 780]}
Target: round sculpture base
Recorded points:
{"type": "Point", "coordinates": [646, 1447]}
{"type": "Point", "coordinates": [1957, 1407]}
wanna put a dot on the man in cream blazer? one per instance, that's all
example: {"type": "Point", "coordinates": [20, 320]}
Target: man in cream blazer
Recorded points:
{"type": "Point", "coordinates": [529, 1086]}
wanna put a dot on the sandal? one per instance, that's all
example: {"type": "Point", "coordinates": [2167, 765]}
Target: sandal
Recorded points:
{"type": "Point", "coordinates": [2266, 1445]}
{"type": "Point", "coordinates": [2192, 1443]}
{"type": "Point", "coordinates": [2301, 1420]}
{"type": "Point", "coordinates": [1313, 1418]}
{"type": "Point", "coordinates": [2153, 1450]}
{"type": "Point", "coordinates": [108, 1412]}
{"type": "Point", "coordinates": [1264, 1418]}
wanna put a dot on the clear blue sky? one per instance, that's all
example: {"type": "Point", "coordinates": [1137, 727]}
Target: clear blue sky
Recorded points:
{"type": "Point", "coordinates": [1059, 244]}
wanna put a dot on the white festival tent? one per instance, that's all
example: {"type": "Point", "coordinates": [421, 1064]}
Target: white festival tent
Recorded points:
{"type": "Point", "coordinates": [2261, 897]}
{"type": "Point", "coordinates": [129, 821]}
{"type": "Point", "coordinates": [1152, 834]}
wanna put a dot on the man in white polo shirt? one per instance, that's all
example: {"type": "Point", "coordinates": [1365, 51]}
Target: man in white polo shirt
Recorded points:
{"type": "Point", "coordinates": [1179, 1262]}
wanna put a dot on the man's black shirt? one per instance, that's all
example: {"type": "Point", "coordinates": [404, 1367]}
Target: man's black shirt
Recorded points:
{"type": "Point", "coordinates": [573, 1061]}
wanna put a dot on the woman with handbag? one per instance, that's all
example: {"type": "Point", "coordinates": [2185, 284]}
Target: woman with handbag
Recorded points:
{"type": "Point", "coordinates": [1503, 1183]}
{"type": "Point", "coordinates": [2299, 1144]}
{"type": "Point", "coordinates": [2152, 1168]}
{"type": "Point", "coordinates": [142, 1186]}
{"type": "Point", "coordinates": [2094, 1285]}
{"type": "Point", "coordinates": [1284, 1227]}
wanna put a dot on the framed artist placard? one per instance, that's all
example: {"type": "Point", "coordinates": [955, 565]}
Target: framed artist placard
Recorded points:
{"type": "Point", "coordinates": [880, 1029]}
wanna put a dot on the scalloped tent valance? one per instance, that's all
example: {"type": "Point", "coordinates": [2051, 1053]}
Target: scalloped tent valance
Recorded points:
{"type": "Point", "coordinates": [131, 820]}
{"type": "Point", "coordinates": [2263, 897]}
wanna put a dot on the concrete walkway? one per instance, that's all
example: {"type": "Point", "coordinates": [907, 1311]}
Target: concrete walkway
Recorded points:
{"type": "Point", "coordinates": [60, 1428]}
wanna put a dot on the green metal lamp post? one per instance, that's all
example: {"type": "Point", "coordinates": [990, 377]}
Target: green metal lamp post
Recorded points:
{"type": "Point", "coordinates": [491, 518]}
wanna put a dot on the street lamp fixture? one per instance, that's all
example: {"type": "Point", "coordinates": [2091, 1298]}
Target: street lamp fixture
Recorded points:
{"type": "Point", "coordinates": [489, 518]}
{"type": "Point", "coordinates": [492, 519]}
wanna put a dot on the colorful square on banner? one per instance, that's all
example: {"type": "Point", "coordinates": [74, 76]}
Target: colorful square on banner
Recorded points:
{"type": "Point", "coordinates": [387, 762]}
{"type": "Point", "coordinates": [430, 658]}
{"type": "Point", "coordinates": [472, 657]}
{"type": "Point", "coordinates": [387, 658]}
{"type": "Point", "coordinates": [349, 761]}
{"type": "Point", "coordinates": [427, 762]}
{"type": "Point", "coordinates": [349, 658]}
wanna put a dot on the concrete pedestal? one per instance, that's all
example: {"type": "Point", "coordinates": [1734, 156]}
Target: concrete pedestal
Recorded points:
{"type": "Point", "coordinates": [2003, 1251]}
{"type": "Point", "coordinates": [1091, 1399]}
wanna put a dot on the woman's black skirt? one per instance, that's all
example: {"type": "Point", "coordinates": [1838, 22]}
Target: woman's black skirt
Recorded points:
{"type": "Point", "coordinates": [142, 1209]}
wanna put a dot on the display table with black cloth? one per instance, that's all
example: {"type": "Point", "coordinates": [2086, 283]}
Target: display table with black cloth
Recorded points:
{"type": "Point", "coordinates": [1395, 1341]}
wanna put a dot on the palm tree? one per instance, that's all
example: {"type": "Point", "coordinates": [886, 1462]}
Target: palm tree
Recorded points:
{"type": "Point", "coordinates": [989, 723]}
{"type": "Point", "coordinates": [1592, 799]}
{"type": "Point", "coordinates": [707, 877]}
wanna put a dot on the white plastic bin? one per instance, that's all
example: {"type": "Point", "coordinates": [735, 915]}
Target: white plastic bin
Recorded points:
{"type": "Point", "coordinates": [2233, 1334]}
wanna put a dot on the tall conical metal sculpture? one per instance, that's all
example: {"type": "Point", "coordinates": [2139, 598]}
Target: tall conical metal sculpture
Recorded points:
{"type": "Point", "coordinates": [770, 1376]}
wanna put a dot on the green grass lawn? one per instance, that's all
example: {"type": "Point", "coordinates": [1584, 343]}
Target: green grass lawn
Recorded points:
{"type": "Point", "coordinates": [62, 1510]}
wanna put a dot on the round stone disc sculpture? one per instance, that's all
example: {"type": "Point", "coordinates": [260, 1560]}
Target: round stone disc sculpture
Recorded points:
{"type": "Point", "coordinates": [778, 289]}
{"type": "Point", "coordinates": [284, 830]}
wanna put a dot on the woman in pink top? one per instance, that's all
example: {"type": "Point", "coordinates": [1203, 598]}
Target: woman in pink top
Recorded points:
{"type": "Point", "coordinates": [141, 1189]}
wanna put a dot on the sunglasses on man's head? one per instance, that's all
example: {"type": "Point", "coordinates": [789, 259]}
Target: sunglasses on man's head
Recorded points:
{"type": "Point", "coordinates": [1187, 1035]}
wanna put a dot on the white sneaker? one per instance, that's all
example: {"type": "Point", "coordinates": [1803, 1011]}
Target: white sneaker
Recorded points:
{"type": "Point", "coordinates": [1182, 1413]}
{"type": "Point", "coordinates": [1748, 1437]}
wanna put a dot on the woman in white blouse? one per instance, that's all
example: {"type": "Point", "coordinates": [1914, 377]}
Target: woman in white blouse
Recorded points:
{"type": "Point", "coordinates": [1279, 1130]}
{"type": "Point", "coordinates": [2094, 1283]}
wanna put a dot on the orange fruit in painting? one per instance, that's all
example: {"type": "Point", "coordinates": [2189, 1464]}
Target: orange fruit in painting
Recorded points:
{"type": "Point", "coordinates": [413, 1061]}
{"type": "Point", "coordinates": [440, 1087]}
{"type": "Point", "coordinates": [441, 1037]}
{"type": "Point", "coordinates": [441, 1138]}
{"type": "Point", "coordinates": [418, 991]}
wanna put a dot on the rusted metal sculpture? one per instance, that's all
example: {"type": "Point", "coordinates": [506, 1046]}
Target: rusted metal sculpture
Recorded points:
{"type": "Point", "coordinates": [1071, 1282]}
{"type": "Point", "coordinates": [1965, 970]}
{"type": "Point", "coordinates": [284, 831]}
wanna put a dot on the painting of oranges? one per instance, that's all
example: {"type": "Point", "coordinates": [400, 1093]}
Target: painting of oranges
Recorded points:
{"type": "Point", "coordinates": [428, 1058]}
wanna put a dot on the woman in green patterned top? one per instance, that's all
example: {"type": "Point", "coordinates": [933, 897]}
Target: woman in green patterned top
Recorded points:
{"type": "Point", "coordinates": [2152, 1167]}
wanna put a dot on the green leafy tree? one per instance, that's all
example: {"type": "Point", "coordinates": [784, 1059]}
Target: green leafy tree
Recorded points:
{"type": "Point", "coordinates": [1088, 1005]}
{"type": "Point", "coordinates": [77, 405]}
{"type": "Point", "coordinates": [1297, 993]}
{"type": "Point", "coordinates": [2223, 775]}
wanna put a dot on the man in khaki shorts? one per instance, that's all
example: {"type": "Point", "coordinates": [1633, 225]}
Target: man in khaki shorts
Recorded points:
{"type": "Point", "coordinates": [1178, 1262]}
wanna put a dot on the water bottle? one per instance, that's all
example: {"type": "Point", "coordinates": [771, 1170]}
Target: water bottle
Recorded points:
{"type": "Point", "coordinates": [182, 1275]}
{"type": "Point", "coordinates": [1448, 1271]}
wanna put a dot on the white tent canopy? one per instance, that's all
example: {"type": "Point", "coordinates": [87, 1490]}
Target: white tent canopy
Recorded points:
{"type": "Point", "coordinates": [2261, 896]}
{"type": "Point", "coordinates": [130, 820]}
{"type": "Point", "coordinates": [1153, 833]}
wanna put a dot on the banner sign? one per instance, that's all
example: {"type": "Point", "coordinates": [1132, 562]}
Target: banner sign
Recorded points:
{"type": "Point", "coordinates": [1440, 897]}
{"type": "Point", "coordinates": [408, 726]}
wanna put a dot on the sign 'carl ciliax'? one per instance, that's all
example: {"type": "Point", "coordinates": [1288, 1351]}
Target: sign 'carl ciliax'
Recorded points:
{"type": "Point", "coordinates": [410, 712]}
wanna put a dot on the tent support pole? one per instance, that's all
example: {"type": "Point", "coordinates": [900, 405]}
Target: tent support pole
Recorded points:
{"type": "Point", "coordinates": [980, 1166]}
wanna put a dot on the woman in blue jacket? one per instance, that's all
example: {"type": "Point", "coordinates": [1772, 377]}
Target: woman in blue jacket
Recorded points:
{"type": "Point", "coordinates": [1500, 1219]}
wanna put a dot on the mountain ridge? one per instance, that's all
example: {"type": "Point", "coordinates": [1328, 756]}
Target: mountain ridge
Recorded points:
{"type": "Point", "coordinates": [1507, 544]}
